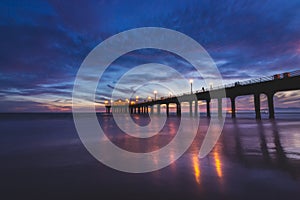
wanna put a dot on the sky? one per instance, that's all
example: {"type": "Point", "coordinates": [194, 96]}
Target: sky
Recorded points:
{"type": "Point", "coordinates": [43, 44]}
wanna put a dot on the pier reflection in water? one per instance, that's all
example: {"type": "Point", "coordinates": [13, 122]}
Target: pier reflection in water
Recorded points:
{"type": "Point", "coordinates": [252, 159]}
{"type": "Point", "coordinates": [248, 152]}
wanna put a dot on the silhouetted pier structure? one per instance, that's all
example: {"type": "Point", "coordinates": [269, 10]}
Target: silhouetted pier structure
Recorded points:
{"type": "Point", "coordinates": [266, 85]}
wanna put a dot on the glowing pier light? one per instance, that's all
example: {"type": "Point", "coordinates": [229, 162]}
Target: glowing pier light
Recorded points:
{"type": "Point", "coordinates": [155, 93]}
{"type": "Point", "coordinates": [191, 82]}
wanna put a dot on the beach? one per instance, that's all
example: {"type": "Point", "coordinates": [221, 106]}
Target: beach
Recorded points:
{"type": "Point", "coordinates": [42, 157]}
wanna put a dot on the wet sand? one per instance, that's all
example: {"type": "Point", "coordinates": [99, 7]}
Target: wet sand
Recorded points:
{"type": "Point", "coordinates": [42, 157]}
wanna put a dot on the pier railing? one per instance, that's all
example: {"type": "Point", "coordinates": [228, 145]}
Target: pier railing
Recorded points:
{"type": "Point", "coordinates": [238, 83]}
{"type": "Point", "coordinates": [247, 82]}
{"type": "Point", "coordinates": [295, 73]}
{"type": "Point", "coordinates": [261, 79]}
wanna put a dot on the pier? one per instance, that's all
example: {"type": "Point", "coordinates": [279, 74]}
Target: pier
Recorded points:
{"type": "Point", "coordinates": [269, 86]}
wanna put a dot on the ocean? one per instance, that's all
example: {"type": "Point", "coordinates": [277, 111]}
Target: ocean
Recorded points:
{"type": "Point", "coordinates": [42, 157]}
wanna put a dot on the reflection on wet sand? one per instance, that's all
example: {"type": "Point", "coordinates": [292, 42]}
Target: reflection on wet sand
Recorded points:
{"type": "Point", "coordinates": [196, 167]}
{"type": "Point", "coordinates": [255, 146]}
{"type": "Point", "coordinates": [218, 164]}
{"type": "Point", "coordinates": [251, 160]}
{"type": "Point", "coordinates": [270, 149]}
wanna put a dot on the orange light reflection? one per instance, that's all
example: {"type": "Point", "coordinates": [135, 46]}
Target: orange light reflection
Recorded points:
{"type": "Point", "coordinates": [196, 167]}
{"type": "Point", "coordinates": [218, 164]}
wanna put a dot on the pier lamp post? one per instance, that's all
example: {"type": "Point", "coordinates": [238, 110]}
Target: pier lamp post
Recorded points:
{"type": "Point", "coordinates": [155, 93]}
{"type": "Point", "coordinates": [170, 94]}
{"type": "Point", "coordinates": [137, 98]}
{"type": "Point", "coordinates": [149, 98]}
{"type": "Point", "coordinates": [191, 82]}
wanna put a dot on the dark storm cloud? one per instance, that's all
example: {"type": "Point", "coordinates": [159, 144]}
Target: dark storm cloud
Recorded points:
{"type": "Point", "coordinates": [245, 33]}
{"type": "Point", "coordinates": [36, 48]}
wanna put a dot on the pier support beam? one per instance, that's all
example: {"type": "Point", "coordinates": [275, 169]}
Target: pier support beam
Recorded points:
{"type": "Point", "coordinates": [107, 109]}
{"type": "Point", "coordinates": [208, 108]}
{"type": "Point", "coordinates": [139, 110]}
{"type": "Point", "coordinates": [178, 109]}
{"type": "Point", "coordinates": [220, 107]}
{"type": "Point", "coordinates": [167, 109]}
{"type": "Point", "coordinates": [158, 109]}
{"type": "Point", "coordinates": [196, 108]}
{"type": "Point", "coordinates": [191, 108]}
{"type": "Point", "coordinates": [232, 99]}
{"type": "Point", "coordinates": [271, 105]}
{"type": "Point", "coordinates": [257, 106]}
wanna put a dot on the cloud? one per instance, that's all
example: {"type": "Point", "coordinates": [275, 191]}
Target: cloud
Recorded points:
{"type": "Point", "coordinates": [44, 43]}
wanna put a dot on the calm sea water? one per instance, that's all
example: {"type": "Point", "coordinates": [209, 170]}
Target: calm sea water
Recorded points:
{"type": "Point", "coordinates": [42, 157]}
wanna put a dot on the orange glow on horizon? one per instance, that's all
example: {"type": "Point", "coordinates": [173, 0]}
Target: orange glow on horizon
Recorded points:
{"type": "Point", "coordinates": [57, 108]}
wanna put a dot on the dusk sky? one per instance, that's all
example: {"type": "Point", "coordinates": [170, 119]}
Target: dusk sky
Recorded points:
{"type": "Point", "coordinates": [43, 44]}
